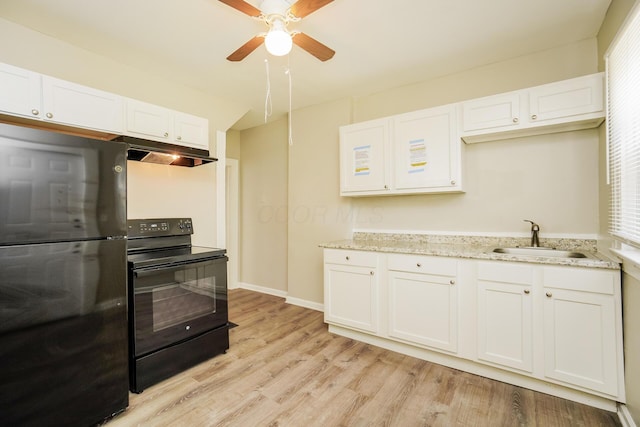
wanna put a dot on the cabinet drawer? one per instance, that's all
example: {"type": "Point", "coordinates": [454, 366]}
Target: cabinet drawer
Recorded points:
{"type": "Point", "coordinates": [503, 272]}
{"type": "Point", "coordinates": [580, 279]}
{"type": "Point", "coordinates": [423, 264]}
{"type": "Point", "coordinates": [347, 257]}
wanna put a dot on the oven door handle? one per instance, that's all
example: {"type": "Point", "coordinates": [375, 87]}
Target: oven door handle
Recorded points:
{"type": "Point", "coordinates": [148, 271]}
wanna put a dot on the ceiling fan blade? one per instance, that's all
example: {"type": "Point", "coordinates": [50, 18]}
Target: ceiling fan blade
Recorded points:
{"type": "Point", "coordinates": [243, 7]}
{"type": "Point", "coordinates": [313, 46]}
{"type": "Point", "coordinates": [302, 8]}
{"type": "Point", "coordinates": [246, 49]}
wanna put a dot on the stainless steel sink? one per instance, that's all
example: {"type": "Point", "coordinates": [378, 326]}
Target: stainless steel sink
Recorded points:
{"type": "Point", "coordinates": [544, 252]}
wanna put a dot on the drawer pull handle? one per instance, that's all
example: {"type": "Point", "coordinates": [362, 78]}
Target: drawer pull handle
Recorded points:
{"type": "Point", "coordinates": [452, 282]}
{"type": "Point", "coordinates": [527, 291]}
{"type": "Point", "coordinates": [549, 294]}
{"type": "Point", "coordinates": [418, 265]}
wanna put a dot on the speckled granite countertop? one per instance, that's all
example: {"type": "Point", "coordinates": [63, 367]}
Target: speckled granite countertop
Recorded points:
{"type": "Point", "coordinates": [475, 247]}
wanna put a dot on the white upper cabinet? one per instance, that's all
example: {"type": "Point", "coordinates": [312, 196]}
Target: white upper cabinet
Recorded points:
{"type": "Point", "coordinates": [148, 121]}
{"type": "Point", "coordinates": [21, 92]}
{"type": "Point", "coordinates": [567, 99]}
{"type": "Point", "coordinates": [71, 104]}
{"type": "Point", "coordinates": [40, 97]}
{"type": "Point", "coordinates": [494, 112]}
{"type": "Point", "coordinates": [364, 158]}
{"type": "Point", "coordinates": [191, 130]}
{"type": "Point", "coordinates": [426, 151]}
{"type": "Point", "coordinates": [417, 152]}
{"type": "Point", "coordinates": [151, 121]}
{"type": "Point", "coordinates": [35, 96]}
{"type": "Point", "coordinates": [561, 106]}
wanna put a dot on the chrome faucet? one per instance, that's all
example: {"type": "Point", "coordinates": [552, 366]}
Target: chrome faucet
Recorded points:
{"type": "Point", "coordinates": [535, 229]}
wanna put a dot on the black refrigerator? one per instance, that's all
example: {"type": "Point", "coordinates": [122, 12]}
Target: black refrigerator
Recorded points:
{"type": "Point", "coordinates": [63, 309]}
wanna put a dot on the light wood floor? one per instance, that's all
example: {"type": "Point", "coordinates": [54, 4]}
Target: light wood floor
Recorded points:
{"type": "Point", "coordinates": [285, 369]}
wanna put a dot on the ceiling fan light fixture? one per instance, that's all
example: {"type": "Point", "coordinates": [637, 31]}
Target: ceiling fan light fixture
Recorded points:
{"type": "Point", "coordinates": [278, 41]}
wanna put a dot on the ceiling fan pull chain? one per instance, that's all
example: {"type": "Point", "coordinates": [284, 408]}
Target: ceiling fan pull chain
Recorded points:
{"type": "Point", "coordinates": [268, 106]}
{"type": "Point", "coordinates": [288, 73]}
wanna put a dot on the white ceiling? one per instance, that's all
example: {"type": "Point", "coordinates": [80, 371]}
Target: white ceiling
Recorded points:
{"type": "Point", "coordinates": [379, 44]}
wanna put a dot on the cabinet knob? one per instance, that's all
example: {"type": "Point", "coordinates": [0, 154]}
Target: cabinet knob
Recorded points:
{"type": "Point", "coordinates": [179, 138]}
{"type": "Point", "coordinates": [515, 120]}
{"type": "Point", "coordinates": [386, 187]}
{"type": "Point", "coordinates": [49, 115]}
{"type": "Point", "coordinates": [347, 258]}
{"type": "Point", "coordinates": [371, 273]}
{"type": "Point", "coordinates": [452, 282]}
{"type": "Point", "coordinates": [35, 112]}
{"type": "Point", "coordinates": [549, 294]}
{"type": "Point", "coordinates": [527, 291]}
{"type": "Point", "coordinates": [166, 134]}
{"type": "Point", "coordinates": [453, 182]}
{"type": "Point", "coordinates": [418, 265]}
{"type": "Point", "coordinates": [533, 117]}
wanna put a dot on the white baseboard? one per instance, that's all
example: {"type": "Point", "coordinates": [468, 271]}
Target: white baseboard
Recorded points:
{"type": "Point", "coordinates": [304, 303]}
{"type": "Point", "coordinates": [282, 294]}
{"type": "Point", "coordinates": [262, 289]}
{"type": "Point", "coordinates": [625, 416]}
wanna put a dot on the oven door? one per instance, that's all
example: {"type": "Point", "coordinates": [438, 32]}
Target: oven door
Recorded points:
{"type": "Point", "coordinates": [172, 303]}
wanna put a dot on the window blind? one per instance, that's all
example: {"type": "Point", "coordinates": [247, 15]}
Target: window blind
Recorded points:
{"type": "Point", "coordinates": [623, 130]}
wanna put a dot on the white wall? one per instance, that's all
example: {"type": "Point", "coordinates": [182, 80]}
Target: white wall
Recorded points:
{"type": "Point", "coordinates": [263, 177]}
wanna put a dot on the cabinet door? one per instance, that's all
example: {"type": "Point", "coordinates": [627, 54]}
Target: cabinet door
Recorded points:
{"type": "Point", "coordinates": [580, 339]}
{"type": "Point", "coordinates": [148, 121]}
{"type": "Point", "coordinates": [505, 325]}
{"type": "Point", "coordinates": [21, 92]}
{"type": "Point", "coordinates": [423, 309]}
{"type": "Point", "coordinates": [426, 150]}
{"type": "Point", "coordinates": [363, 157]}
{"type": "Point", "coordinates": [80, 106]}
{"type": "Point", "coordinates": [191, 131]}
{"type": "Point", "coordinates": [567, 98]}
{"type": "Point", "coordinates": [351, 296]}
{"type": "Point", "coordinates": [498, 112]}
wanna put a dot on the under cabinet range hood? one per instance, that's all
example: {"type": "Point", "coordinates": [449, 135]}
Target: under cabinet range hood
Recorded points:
{"type": "Point", "coordinates": [145, 150]}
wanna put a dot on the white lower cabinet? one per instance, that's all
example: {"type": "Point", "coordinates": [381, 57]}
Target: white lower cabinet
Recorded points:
{"type": "Point", "coordinates": [351, 289]}
{"type": "Point", "coordinates": [422, 300]}
{"type": "Point", "coordinates": [553, 325]}
{"type": "Point", "coordinates": [505, 315]}
{"type": "Point", "coordinates": [582, 341]}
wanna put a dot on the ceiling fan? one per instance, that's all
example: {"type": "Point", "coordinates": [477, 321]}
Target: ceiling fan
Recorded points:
{"type": "Point", "coordinates": [278, 40]}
